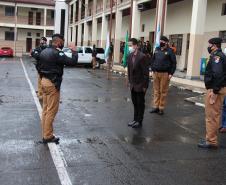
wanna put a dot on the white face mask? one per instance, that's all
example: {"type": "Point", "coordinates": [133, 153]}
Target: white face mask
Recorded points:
{"type": "Point", "coordinates": [131, 50]}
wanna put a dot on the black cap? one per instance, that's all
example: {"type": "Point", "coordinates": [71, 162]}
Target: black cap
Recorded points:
{"type": "Point", "coordinates": [134, 41]}
{"type": "Point", "coordinates": [43, 38]}
{"type": "Point", "coordinates": [215, 40]}
{"type": "Point", "coordinates": [164, 38]}
{"type": "Point", "coordinates": [58, 35]}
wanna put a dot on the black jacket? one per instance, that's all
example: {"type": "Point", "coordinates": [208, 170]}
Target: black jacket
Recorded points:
{"type": "Point", "coordinates": [138, 72]}
{"type": "Point", "coordinates": [94, 52]}
{"type": "Point", "coordinates": [215, 75]}
{"type": "Point", "coordinates": [35, 54]}
{"type": "Point", "coordinates": [164, 61]}
{"type": "Point", "coordinates": [52, 63]}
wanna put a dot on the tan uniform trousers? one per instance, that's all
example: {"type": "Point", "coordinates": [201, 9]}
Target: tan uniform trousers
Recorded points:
{"type": "Point", "coordinates": [39, 87]}
{"type": "Point", "coordinates": [94, 62]}
{"type": "Point", "coordinates": [51, 99]}
{"type": "Point", "coordinates": [161, 87]}
{"type": "Point", "coordinates": [213, 116]}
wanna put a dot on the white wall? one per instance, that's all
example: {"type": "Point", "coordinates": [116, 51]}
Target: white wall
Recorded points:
{"type": "Point", "coordinates": [178, 19]}
{"type": "Point", "coordinates": [147, 18]}
{"type": "Point", "coordinates": [125, 27]}
{"type": "Point", "coordinates": [214, 20]}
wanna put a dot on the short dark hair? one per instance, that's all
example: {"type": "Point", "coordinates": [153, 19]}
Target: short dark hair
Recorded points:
{"type": "Point", "coordinates": [218, 45]}
{"type": "Point", "coordinates": [134, 41]}
{"type": "Point", "coordinates": [43, 38]}
{"type": "Point", "coordinates": [164, 38]}
{"type": "Point", "coordinates": [57, 35]}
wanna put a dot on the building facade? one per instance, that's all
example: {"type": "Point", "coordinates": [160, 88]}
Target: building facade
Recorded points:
{"type": "Point", "coordinates": [188, 24]}
{"type": "Point", "coordinates": [24, 22]}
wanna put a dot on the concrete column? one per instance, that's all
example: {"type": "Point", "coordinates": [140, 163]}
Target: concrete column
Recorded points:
{"type": "Point", "coordinates": [118, 30]}
{"type": "Point", "coordinates": [196, 38]}
{"type": "Point", "coordinates": [86, 33]}
{"type": "Point", "coordinates": [104, 30]}
{"type": "Point", "coordinates": [45, 18]}
{"type": "Point", "coordinates": [160, 19]}
{"type": "Point", "coordinates": [79, 35]}
{"type": "Point", "coordinates": [74, 13]}
{"type": "Point", "coordinates": [61, 5]}
{"type": "Point", "coordinates": [104, 5]}
{"type": "Point", "coordinates": [94, 31]}
{"type": "Point", "coordinates": [74, 9]}
{"type": "Point", "coordinates": [86, 8]}
{"type": "Point", "coordinates": [79, 9]}
{"type": "Point", "coordinates": [69, 35]}
{"type": "Point", "coordinates": [94, 24]}
{"type": "Point", "coordinates": [135, 32]}
{"type": "Point", "coordinates": [73, 34]}
{"type": "Point", "coordinates": [15, 31]}
{"type": "Point", "coordinates": [94, 7]}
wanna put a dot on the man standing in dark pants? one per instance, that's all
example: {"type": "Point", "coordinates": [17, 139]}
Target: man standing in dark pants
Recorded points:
{"type": "Point", "coordinates": [94, 57]}
{"type": "Point", "coordinates": [138, 74]}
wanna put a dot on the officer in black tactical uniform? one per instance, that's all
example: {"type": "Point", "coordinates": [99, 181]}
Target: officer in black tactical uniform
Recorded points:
{"type": "Point", "coordinates": [35, 54]}
{"type": "Point", "coordinates": [52, 61]}
{"type": "Point", "coordinates": [215, 82]}
{"type": "Point", "coordinates": [163, 65]}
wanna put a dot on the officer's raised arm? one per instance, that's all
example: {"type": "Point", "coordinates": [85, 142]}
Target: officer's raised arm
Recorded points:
{"type": "Point", "coordinates": [65, 60]}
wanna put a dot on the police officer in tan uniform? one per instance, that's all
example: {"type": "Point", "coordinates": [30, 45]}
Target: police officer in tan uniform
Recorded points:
{"type": "Point", "coordinates": [52, 62]}
{"type": "Point", "coordinates": [163, 65]}
{"type": "Point", "coordinates": [215, 82]}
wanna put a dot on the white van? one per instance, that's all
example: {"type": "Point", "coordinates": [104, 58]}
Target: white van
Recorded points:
{"type": "Point", "coordinates": [84, 54]}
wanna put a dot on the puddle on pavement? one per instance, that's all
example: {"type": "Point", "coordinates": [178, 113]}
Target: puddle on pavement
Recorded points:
{"type": "Point", "coordinates": [94, 140]}
{"type": "Point", "coordinates": [136, 140]}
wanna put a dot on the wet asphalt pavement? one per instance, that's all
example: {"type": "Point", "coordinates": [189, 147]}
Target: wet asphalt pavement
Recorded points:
{"type": "Point", "coordinates": [96, 143]}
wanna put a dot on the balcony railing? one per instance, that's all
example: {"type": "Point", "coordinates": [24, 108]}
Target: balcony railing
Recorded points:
{"type": "Point", "coordinates": [7, 19]}
{"type": "Point", "coordinates": [50, 22]}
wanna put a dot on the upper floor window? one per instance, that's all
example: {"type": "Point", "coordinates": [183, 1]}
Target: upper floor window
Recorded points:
{"type": "Point", "coordinates": [223, 36]}
{"type": "Point", "coordinates": [9, 35]}
{"type": "Point", "coordinates": [223, 9]}
{"type": "Point", "coordinates": [30, 18]}
{"type": "Point", "coordinates": [38, 18]}
{"type": "Point", "coordinates": [49, 33]}
{"type": "Point", "coordinates": [143, 28]}
{"type": "Point", "coordinates": [52, 14]}
{"type": "Point", "coordinates": [9, 11]}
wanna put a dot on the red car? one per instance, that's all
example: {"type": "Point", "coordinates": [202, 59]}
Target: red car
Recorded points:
{"type": "Point", "coordinates": [6, 51]}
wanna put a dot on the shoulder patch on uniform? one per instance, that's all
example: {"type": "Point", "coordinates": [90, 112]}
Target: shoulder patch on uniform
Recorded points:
{"type": "Point", "coordinates": [61, 54]}
{"type": "Point", "coordinates": [216, 59]}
